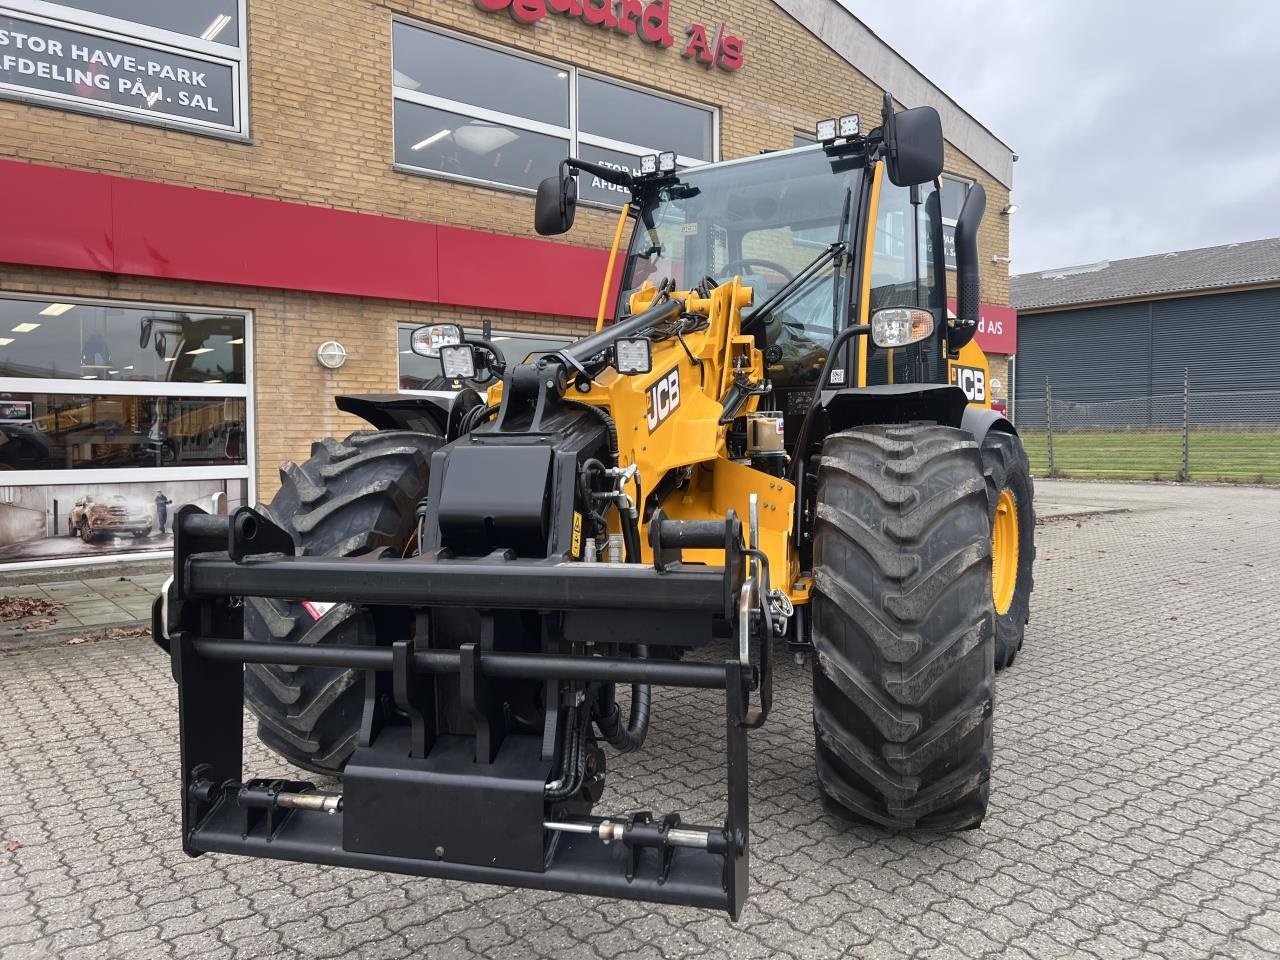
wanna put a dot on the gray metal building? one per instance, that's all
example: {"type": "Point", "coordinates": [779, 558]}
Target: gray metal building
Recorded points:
{"type": "Point", "coordinates": [1117, 338]}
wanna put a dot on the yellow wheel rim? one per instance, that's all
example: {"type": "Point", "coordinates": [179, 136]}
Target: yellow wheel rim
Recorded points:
{"type": "Point", "coordinates": [1004, 551]}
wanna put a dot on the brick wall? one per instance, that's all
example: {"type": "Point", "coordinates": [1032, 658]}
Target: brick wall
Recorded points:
{"type": "Point", "coordinates": [320, 119]}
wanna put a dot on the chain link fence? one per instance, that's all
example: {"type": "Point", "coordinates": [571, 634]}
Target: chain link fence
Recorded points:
{"type": "Point", "coordinates": [1177, 434]}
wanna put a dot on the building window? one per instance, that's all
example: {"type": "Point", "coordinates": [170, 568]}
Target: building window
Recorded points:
{"type": "Point", "coordinates": [112, 416]}
{"type": "Point", "coordinates": [423, 373]}
{"type": "Point", "coordinates": [467, 110]}
{"type": "Point", "coordinates": [954, 193]}
{"type": "Point", "coordinates": [169, 64]}
{"type": "Point", "coordinates": [801, 139]}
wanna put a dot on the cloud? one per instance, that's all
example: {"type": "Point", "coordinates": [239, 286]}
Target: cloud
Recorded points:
{"type": "Point", "coordinates": [1140, 127]}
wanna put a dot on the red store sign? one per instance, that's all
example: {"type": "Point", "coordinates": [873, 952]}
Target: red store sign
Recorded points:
{"type": "Point", "coordinates": [651, 22]}
{"type": "Point", "coordinates": [997, 327]}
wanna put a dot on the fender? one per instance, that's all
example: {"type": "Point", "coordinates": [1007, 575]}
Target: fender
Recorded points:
{"type": "Point", "coordinates": [979, 421]}
{"type": "Point", "coordinates": [894, 403]}
{"type": "Point", "coordinates": [437, 412]}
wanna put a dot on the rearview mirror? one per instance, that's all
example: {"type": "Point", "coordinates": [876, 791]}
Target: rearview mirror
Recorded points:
{"type": "Point", "coordinates": [555, 205]}
{"type": "Point", "coordinates": [426, 341]}
{"type": "Point", "coordinates": [913, 144]}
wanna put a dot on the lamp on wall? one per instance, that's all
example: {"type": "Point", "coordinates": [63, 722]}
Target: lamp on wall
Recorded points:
{"type": "Point", "coordinates": [1009, 210]}
{"type": "Point", "coordinates": [331, 354]}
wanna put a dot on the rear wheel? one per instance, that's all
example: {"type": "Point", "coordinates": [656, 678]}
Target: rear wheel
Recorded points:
{"type": "Point", "coordinates": [902, 628]}
{"type": "Point", "coordinates": [351, 497]}
{"type": "Point", "coordinates": [1011, 507]}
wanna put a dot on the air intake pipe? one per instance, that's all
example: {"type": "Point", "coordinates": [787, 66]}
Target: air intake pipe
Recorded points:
{"type": "Point", "coordinates": [968, 279]}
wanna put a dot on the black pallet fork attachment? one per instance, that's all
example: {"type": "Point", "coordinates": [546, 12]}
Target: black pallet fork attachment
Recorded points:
{"type": "Point", "coordinates": [418, 803]}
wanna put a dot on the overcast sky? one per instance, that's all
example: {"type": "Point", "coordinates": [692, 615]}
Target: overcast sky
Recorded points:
{"type": "Point", "coordinates": [1140, 126]}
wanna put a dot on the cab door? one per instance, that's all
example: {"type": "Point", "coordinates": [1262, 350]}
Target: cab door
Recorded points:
{"type": "Point", "coordinates": [905, 268]}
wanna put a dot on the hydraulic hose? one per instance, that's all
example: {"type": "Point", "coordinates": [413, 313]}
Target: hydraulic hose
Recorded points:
{"type": "Point", "coordinates": [611, 428]}
{"type": "Point", "coordinates": [628, 738]}
{"type": "Point", "coordinates": [573, 763]}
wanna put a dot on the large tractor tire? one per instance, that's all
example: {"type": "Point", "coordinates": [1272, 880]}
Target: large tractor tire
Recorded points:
{"type": "Point", "coordinates": [1011, 507]}
{"type": "Point", "coordinates": [351, 497]}
{"type": "Point", "coordinates": [902, 628]}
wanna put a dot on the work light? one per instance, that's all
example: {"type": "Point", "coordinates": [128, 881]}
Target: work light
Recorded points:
{"type": "Point", "coordinates": [900, 326]}
{"type": "Point", "coordinates": [850, 125]}
{"type": "Point", "coordinates": [633, 355]}
{"type": "Point", "coordinates": [826, 131]}
{"type": "Point", "coordinates": [667, 162]}
{"type": "Point", "coordinates": [649, 164]}
{"type": "Point", "coordinates": [458, 361]}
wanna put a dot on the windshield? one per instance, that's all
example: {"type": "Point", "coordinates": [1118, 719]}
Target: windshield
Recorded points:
{"type": "Point", "coordinates": [764, 219]}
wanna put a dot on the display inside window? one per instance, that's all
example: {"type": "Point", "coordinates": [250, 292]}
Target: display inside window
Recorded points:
{"type": "Point", "coordinates": [58, 431]}
{"type": "Point", "coordinates": [82, 521]}
{"type": "Point", "coordinates": [105, 343]}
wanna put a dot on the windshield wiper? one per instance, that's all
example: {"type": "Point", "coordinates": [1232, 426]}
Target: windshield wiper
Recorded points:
{"type": "Point", "coordinates": [794, 284]}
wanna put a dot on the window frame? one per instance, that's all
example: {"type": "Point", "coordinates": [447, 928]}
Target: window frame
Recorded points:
{"type": "Point", "coordinates": [150, 388]}
{"type": "Point", "coordinates": [143, 35]}
{"type": "Point", "coordinates": [572, 133]}
{"type": "Point", "coordinates": [947, 222]}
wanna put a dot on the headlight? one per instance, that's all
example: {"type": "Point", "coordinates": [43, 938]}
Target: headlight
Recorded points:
{"type": "Point", "coordinates": [458, 361]}
{"type": "Point", "coordinates": [899, 326]}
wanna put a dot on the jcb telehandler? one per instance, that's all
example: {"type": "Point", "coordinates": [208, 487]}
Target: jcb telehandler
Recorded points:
{"type": "Point", "coordinates": [767, 447]}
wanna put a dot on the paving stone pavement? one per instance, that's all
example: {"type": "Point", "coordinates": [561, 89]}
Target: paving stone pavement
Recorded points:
{"type": "Point", "coordinates": [1135, 806]}
{"type": "Point", "coordinates": [95, 602]}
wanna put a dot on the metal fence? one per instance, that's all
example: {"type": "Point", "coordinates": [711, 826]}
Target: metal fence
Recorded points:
{"type": "Point", "coordinates": [1179, 434]}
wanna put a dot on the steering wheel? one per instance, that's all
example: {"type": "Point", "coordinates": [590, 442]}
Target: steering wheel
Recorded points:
{"type": "Point", "coordinates": [729, 268]}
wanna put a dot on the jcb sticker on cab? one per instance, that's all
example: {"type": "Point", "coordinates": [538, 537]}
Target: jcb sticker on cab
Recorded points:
{"type": "Point", "coordinates": [664, 399]}
{"type": "Point", "coordinates": [972, 380]}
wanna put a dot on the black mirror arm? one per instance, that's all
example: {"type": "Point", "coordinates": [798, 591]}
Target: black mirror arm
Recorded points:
{"type": "Point", "coordinates": [621, 178]}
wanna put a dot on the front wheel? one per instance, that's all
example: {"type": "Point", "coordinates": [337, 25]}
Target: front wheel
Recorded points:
{"type": "Point", "coordinates": [351, 497]}
{"type": "Point", "coordinates": [1011, 507]}
{"type": "Point", "coordinates": [902, 628]}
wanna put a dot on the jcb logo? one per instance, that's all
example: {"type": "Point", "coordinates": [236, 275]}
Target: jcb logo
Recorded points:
{"type": "Point", "coordinates": [664, 399]}
{"type": "Point", "coordinates": [972, 380]}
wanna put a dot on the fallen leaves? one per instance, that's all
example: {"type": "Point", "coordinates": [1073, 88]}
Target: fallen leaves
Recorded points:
{"type": "Point", "coordinates": [13, 846]}
{"type": "Point", "coordinates": [115, 633]}
{"type": "Point", "coordinates": [16, 608]}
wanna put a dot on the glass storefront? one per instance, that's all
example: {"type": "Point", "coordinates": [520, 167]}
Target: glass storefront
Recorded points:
{"type": "Point", "coordinates": [108, 409]}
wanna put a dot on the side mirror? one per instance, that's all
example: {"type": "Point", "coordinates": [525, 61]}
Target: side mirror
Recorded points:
{"type": "Point", "coordinates": [968, 286]}
{"type": "Point", "coordinates": [426, 341]}
{"type": "Point", "coordinates": [913, 144]}
{"type": "Point", "coordinates": [555, 205]}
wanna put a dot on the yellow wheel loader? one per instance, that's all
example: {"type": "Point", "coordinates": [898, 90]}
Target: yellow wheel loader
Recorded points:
{"type": "Point", "coordinates": [781, 443]}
